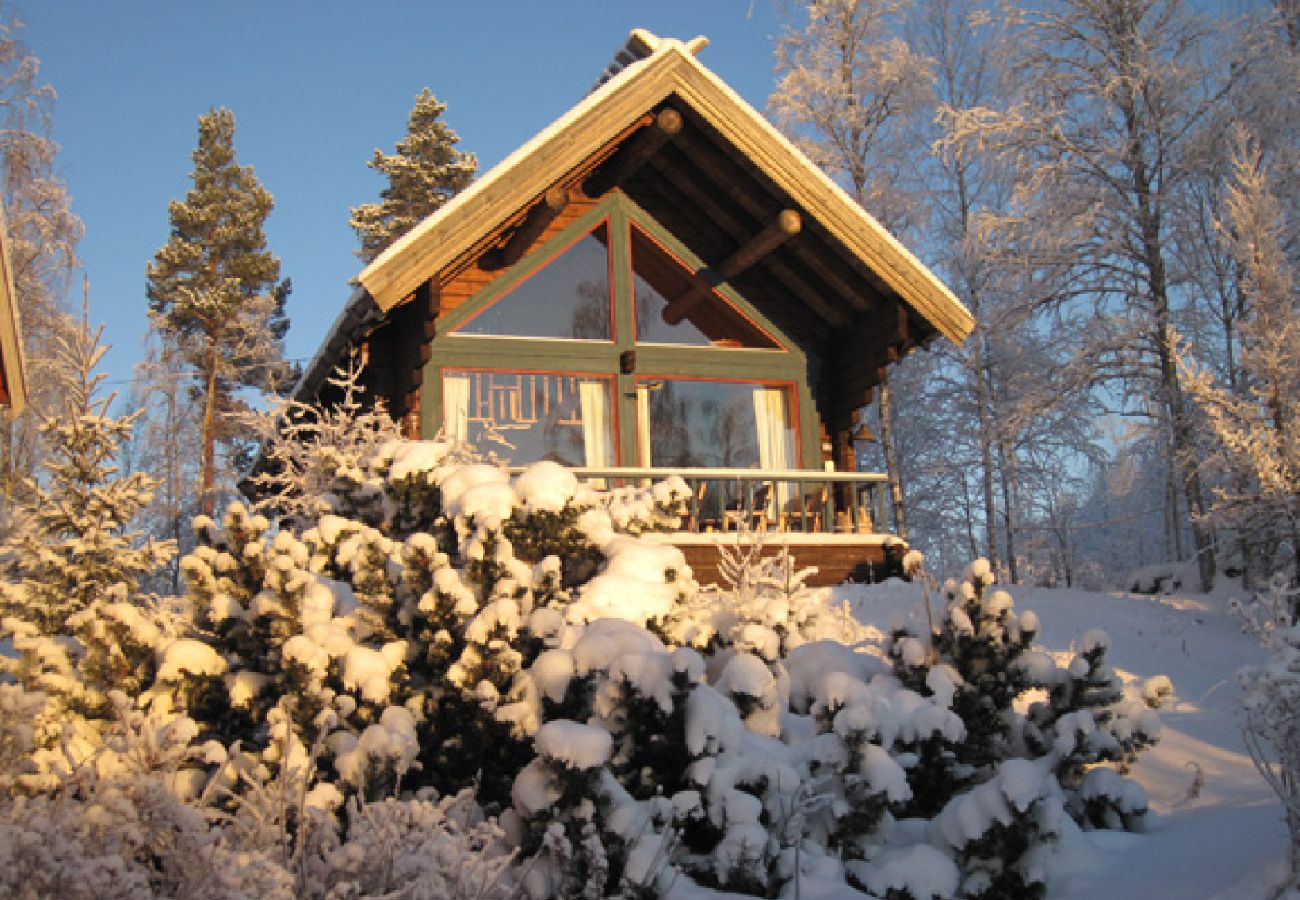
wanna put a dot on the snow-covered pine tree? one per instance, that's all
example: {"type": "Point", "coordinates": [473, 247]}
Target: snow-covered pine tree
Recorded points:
{"type": "Point", "coordinates": [1000, 830]}
{"type": "Point", "coordinates": [75, 565]}
{"type": "Point", "coordinates": [1088, 719]}
{"type": "Point", "coordinates": [979, 643]}
{"type": "Point", "coordinates": [426, 171]}
{"type": "Point", "coordinates": [214, 289]}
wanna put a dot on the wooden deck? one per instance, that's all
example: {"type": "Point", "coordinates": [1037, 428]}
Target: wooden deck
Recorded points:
{"type": "Point", "coordinates": [828, 520]}
{"type": "Point", "coordinates": [838, 557]}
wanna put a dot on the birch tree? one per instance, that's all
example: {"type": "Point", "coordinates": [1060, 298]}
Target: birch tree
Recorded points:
{"type": "Point", "coordinates": [43, 236]}
{"type": "Point", "coordinates": [162, 444]}
{"type": "Point", "coordinates": [214, 289]}
{"type": "Point", "coordinates": [846, 84]}
{"type": "Point", "coordinates": [1110, 96]}
{"type": "Point", "coordinates": [1257, 422]}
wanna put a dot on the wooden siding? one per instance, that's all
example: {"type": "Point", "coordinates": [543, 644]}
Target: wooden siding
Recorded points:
{"type": "Point", "coordinates": [459, 286]}
{"type": "Point", "coordinates": [871, 559]}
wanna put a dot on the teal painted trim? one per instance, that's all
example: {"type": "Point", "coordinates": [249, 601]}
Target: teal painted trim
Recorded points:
{"type": "Point", "coordinates": [746, 364]}
{"type": "Point", "coordinates": [430, 404]}
{"type": "Point", "coordinates": [624, 399]}
{"type": "Point", "coordinates": [526, 266]}
{"type": "Point", "coordinates": [810, 439]}
{"type": "Point", "coordinates": [450, 351]}
{"type": "Point", "coordinates": [652, 227]}
{"type": "Point", "coordinates": [495, 353]}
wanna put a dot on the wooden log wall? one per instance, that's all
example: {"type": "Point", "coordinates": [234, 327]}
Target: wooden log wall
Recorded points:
{"type": "Point", "coordinates": [463, 285]}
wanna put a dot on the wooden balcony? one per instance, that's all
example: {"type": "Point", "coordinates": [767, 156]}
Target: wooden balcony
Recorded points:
{"type": "Point", "coordinates": [836, 521]}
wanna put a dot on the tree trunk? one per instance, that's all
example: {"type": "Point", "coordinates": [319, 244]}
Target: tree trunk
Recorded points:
{"type": "Point", "coordinates": [1008, 507]}
{"type": "Point", "coordinates": [208, 438]}
{"type": "Point", "coordinates": [892, 473]}
{"type": "Point", "coordinates": [1182, 451]}
{"type": "Point", "coordinates": [1148, 213]}
{"type": "Point", "coordinates": [1173, 527]}
{"type": "Point", "coordinates": [982, 394]}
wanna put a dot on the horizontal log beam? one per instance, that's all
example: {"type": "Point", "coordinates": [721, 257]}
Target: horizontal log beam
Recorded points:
{"type": "Point", "coordinates": [530, 229]}
{"type": "Point", "coordinates": [787, 225]}
{"type": "Point", "coordinates": [667, 125]}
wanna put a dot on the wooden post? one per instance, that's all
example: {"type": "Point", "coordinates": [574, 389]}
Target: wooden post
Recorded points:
{"type": "Point", "coordinates": [787, 225]}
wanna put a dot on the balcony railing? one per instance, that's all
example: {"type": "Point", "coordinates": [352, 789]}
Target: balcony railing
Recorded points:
{"type": "Point", "coordinates": [789, 500]}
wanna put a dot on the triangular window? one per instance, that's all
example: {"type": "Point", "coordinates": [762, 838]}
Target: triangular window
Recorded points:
{"type": "Point", "coordinates": [566, 297]}
{"type": "Point", "coordinates": [709, 319]}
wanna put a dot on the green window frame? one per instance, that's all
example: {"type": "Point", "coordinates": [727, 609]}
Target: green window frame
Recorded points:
{"type": "Point", "coordinates": [621, 359]}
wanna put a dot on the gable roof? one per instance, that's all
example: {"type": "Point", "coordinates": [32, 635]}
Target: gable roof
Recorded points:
{"type": "Point", "coordinates": [668, 72]}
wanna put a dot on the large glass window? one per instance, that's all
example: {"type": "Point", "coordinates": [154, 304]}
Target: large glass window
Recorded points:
{"type": "Point", "coordinates": [687, 423]}
{"type": "Point", "coordinates": [528, 416]}
{"type": "Point", "coordinates": [567, 297]}
{"type": "Point", "coordinates": [710, 321]}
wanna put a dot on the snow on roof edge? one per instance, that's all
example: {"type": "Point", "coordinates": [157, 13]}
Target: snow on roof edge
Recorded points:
{"type": "Point", "coordinates": [468, 196]}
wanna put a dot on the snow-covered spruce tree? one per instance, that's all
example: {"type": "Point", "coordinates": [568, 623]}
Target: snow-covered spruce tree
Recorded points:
{"type": "Point", "coordinates": [214, 290]}
{"type": "Point", "coordinates": [426, 171]}
{"type": "Point", "coordinates": [1089, 719]}
{"type": "Point", "coordinates": [976, 654]}
{"type": "Point", "coordinates": [69, 598]}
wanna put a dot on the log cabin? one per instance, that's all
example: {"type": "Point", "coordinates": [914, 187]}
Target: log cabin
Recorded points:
{"type": "Point", "coordinates": [658, 283]}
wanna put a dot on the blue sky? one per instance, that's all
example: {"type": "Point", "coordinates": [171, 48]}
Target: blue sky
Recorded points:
{"type": "Point", "coordinates": [315, 88]}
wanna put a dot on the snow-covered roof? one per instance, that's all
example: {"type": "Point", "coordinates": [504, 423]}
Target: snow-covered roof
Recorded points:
{"type": "Point", "coordinates": [669, 70]}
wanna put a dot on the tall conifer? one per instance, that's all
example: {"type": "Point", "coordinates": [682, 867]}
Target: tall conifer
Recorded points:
{"type": "Point", "coordinates": [214, 289]}
{"type": "Point", "coordinates": [75, 544]}
{"type": "Point", "coordinates": [426, 171]}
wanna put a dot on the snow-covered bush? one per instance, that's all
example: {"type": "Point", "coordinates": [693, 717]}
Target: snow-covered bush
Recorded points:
{"type": "Point", "coordinates": [981, 662]}
{"type": "Point", "coordinates": [999, 832]}
{"type": "Point", "coordinates": [1090, 718]}
{"type": "Point", "coordinates": [1271, 701]}
{"type": "Point", "coordinates": [357, 695]}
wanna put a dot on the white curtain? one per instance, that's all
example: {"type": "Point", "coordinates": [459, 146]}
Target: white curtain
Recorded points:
{"type": "Point", "coordinates": [455, 407]}
{"type": "Point", "coordinates": [597, 438]}
{"type": "Point", "coordinates": [775, 440]}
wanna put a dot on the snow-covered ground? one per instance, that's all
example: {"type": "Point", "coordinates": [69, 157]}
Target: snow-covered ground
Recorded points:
{"type": "Point", "coordinates": [1216, 832]}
